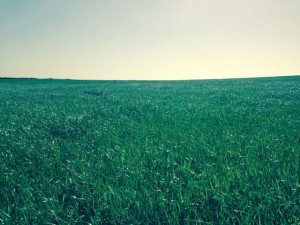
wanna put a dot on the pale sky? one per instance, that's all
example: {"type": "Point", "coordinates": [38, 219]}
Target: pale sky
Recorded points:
{"type": "Point", "coordinates": [149, 39]}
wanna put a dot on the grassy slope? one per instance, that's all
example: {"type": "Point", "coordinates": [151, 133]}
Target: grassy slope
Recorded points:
{"type": "Point", "coordinates": [117, 152]}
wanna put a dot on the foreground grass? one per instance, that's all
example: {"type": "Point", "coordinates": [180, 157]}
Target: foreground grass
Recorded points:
{"type": "Point", "coordinates": [129, 152]}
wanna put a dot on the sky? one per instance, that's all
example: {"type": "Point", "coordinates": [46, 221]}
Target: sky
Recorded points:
{"type": "Point", "coordinates": [149, 39]}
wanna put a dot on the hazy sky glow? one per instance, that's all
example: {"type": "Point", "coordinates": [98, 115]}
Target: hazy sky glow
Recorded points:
{"type": "Point", "coordinates": [149, 39]}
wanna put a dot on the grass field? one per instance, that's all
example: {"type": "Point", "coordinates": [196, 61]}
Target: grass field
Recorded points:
{"type": "Point", "coordinates": [150, 152]}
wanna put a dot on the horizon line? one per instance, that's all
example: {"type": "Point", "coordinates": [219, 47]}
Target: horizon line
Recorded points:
{"type": "Point", "coordinates": [188, 79]}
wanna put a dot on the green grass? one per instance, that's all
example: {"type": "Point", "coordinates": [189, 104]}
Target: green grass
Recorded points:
{"type": "Point", "coordinates": [150, 152]}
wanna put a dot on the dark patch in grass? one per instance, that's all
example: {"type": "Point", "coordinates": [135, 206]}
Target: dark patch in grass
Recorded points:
{"type": "Point", "coordinates": [66, 131]}
{"type": "Point", "coordinates": [96, 92]}
{"type": "Point", "coordinates": [58, 95]}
